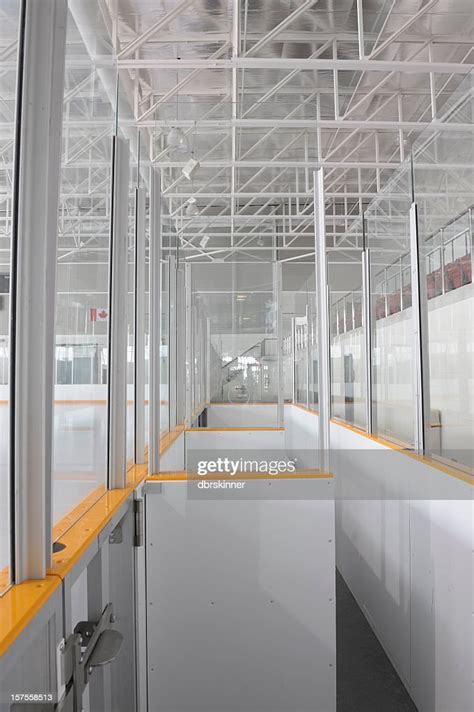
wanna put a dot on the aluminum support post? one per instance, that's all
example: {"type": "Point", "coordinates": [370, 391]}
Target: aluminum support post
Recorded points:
{"type": "Point", "coordinates": [277, 276]}
{"type": "Point", "coordinates": [189, 348]}
{"type": "Point", "coordinates": [117, 336]}
{"type": "Point", "coordinates": [33, 280]}
{"type": "Point", "coordinates": [422, 439]}
{"type": "Point", "coordinates": [307, 357]}
{"type": "Point", "coordinates": [139, 307]}
{"type": "Point", "coordinates": [208, 360]}
{"type": "Point", "coordinates": [154, 398]}
{"type": "Point", "coordinates": [323, 319]}
{"type": "Point", "coordinates": [368, 326]}
{"type": "Point", "coordinates": [175, 349]}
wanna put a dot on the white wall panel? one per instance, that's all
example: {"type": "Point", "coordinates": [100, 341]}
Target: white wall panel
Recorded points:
{"type": "Point", "coordinates": [241, 611]}
{"type": "Point", "coordinates": [409, 563]}
{"type": "Point", "coordinates": [235, 440]}
{"type": "Point", "coordinates": [235, 416]}
{"type": "Point", "coordinates": [173, 459]}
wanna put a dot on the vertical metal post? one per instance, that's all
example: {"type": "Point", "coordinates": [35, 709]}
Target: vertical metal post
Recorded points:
{"type": "Point", "coordinates": [174, 343]}
{"type": "Point", "coordinates": [33, 281]}
{"type": "Point", "coordinates": [277, 279]}
{"type": "Point", "coordinates": [420, 331]}
{"type": "Point", "coordinates": [293, 357]}
{"type": "Point", "coordinates": [442, 261]}
{"type": "Point", "coordinates": [208, 360]}
{"type": "Point", "coordinates": [139, 307]}
{"type": "Point", "coordinates": [203, 389]}
{"type": "Point", "coordinates": [307, 356]}
{"type": "Point", "coordinates": [189, 347]}
{"type": "Point", "coordinates": [154, 397]}
{"type": "Point", "coordinates": [323, 319]}
{"type": "Point", "coordinates": [117, 336]}
{"type": "Point", "coordinates": [367, 323]}
{"type": "Point", "coordinates": [400, 272]}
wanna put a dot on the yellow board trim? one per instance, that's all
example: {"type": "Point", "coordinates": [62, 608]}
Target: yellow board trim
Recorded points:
{"type": "Point", "coordinates": [20, 605]}
{"type": "Point", "coordinates": [180, 476]}
{"type": "Point", "coordinates": [231, 430]}
{"type": "Point", "coordinates": [430, 462]}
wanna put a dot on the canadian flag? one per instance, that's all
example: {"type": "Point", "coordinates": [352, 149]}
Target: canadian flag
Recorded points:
{"type": "Point", "coordinates": [99, 314]}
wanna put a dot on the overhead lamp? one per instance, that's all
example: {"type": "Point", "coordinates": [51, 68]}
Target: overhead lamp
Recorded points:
{"type": "Point", "coordinates": [176, 140]}
{"type": "Point", "coordinates": [260, 241]}
{"type": "Point", "coordinates": [192, 209]}
{"type": "Point", "coordinates": [204, 241]}
{"type": "Point", "coordinates": [190, 168]}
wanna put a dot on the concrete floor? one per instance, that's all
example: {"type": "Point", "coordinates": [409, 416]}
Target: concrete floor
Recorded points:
{"type": "Point", "coordinates": [366, 679]}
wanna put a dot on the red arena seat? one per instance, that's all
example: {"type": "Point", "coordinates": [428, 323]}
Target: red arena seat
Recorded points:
{"type": "Point", "coordinates": [394, 303]}
{"type": "Point", "coordinates": [466, 268]}
{"type": "Point", "coordinates": [453, 276]}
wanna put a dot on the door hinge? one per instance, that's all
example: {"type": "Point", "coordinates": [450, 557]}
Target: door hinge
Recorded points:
{"type": "Point", "coordinates": [138, 505]}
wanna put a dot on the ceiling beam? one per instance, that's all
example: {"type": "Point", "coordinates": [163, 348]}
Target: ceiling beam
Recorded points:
{"type": "Point", "coordinates": [141, 39]}
{"type": "Point", "coordinates": [341, 65]}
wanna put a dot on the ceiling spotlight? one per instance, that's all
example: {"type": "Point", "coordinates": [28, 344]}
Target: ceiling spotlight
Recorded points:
{"type": "Point", "coordinates": [192, 209]}
{"type": "Point", "coordinates": [260, 241]}
{"type": "Point", "coordinates": [204, 241]}
{"type": "Point", "coordinates": [190, 168]}
{"type": "Point", "coordinates": [176, 140]}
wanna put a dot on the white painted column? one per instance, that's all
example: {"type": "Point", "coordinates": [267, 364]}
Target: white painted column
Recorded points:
{"type": "Point", "coordinates": [33, 274]}
{"type": "Point", "coordinates": [322, 306]}
{"type": "Point", "coordinates": [293, 356]}
{"type": "Point", "coordinates": [118, 273]}
{"type": "Point", "coordinates": [420, 341]}
{"type": "Point", "coordinates": [189, 347]}
{"type": "Point", "coordinates": [278, 286]}
{"type": "Point", "coordinates": [140, 286]}
{"type": "Point", "coordinates": [208, 361]}
{"type": "Point", "coordinates": [177, 329]}
{"type": "Point", "coordinates": [154, 398]}
{"type": "Point", "coordinates": [368, 326]}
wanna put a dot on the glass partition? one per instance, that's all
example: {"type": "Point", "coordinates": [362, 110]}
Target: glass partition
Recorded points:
{"type": "Point", "coordinates": [443, 170]}
{"type": "Point", "coordinates": [10, 14]}
{"type": "Point", "coordinates": [233, 311]}
{"type": "Point", "coordinates": [131, 319]}
{"type": "Point", "coordinates": [147, 333]}
{"type": "Point", "coordinates": [164, 347]}
{"type": "Point", "coordinates": [80, 407]}
{"type": "Point", "coordinates": [299, 310]}
{"type": "Point", "coordinates": [347, 357]}
{"type": "Point", "coordinates": [388, 238]}
{"type": "Point", "coordinates": [440, 177]}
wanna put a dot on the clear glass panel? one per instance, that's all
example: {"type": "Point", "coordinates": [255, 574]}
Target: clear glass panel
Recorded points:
{"type": "Point", "coordinates": [147, 331]}
{"type": "Point", "coordinates": [299, 310]}
{"type": "Point", "coordinates": [347, 356]}
{"type": "Point", "coordinates": [240, 302]}
{"type": "Point", "coordinates": [9, 12]}
{"type": "Point", "coordinates": [165, 343]}
{"type": "Point", "coordinates": [132, 216]}
{"type": "Point", "coordinates": [388, 237]}
{"type": "Point", "coordinates": [82, 274]}
{"type": "Point", "coordinates": [252, 323]}
{"type": "Point", "coordinates": [443, 167]}
{"type": "Point", "coordinates": [131, 328]}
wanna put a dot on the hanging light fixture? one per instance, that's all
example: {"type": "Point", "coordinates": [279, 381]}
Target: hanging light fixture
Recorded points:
{"type": "Point", "coordinates": [192, 209]}
{"type": "Point", "coordinates": [176, 140]}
